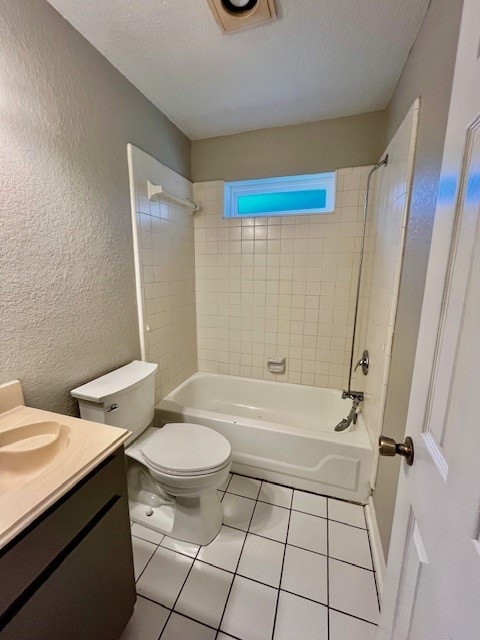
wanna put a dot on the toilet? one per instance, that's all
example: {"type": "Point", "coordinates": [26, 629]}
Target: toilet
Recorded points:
{"type": "Point", "coordinates": [173, 473]}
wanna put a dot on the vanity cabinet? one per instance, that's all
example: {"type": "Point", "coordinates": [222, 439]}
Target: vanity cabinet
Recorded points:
{"type": "Point", "coordinates": [69, 575]}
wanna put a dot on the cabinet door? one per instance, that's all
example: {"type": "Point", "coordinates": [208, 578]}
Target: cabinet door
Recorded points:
{"type": "Point", "coordinates": [89, 595]}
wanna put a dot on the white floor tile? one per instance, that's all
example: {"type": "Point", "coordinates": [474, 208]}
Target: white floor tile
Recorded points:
{"type": "Point", "coordinates": [205, 593]}
{"type": "Point", "coordinates": [352, 590]}
{"type": "Point", "coordinates": [262, 560]}
{"type": "Point", "coordinates": [342, 627]}
{"type": "Point", "coordinates": [345, 512]}
{"type": "Point", "coordinates": [180, 628]}
{"type": "Point", "coordinates": [225, 550]}
{"type": "Point", "coordinates": [270, 521]}
{"type": "Point", "coordinates": [170, 575]}
{"type": "Point", "coordinates": [147, 621]}
{"type": "Point", "coordinates": [187, 548]}
{"type": "Point", "coordinates": [300, 618]}
{"type": "Point", "coordinates": [246, 487]}
{"type": "Point", "coordinates": [163, 578]}
{"type": "Point", "coordinates": [142, 552]}
{"type": "Point", "coordinates": [237, 511]}
{"type": "Point", "coordinates": [349, 544]}
{"type": "Point", "coordinates": [145, 533]}
{"type": "Point", "coordinates": [273, 494]}
{"type": "Point", "coordinates": [305, 573]}
{"type": "Point", "coordinates": [250, 610]}
{"type": "Point", "coordinates": [309, 503]}
{"type": "Point", "coordinates": [309, 532]}
{"type": "Point", "coordinates": [224, 484]}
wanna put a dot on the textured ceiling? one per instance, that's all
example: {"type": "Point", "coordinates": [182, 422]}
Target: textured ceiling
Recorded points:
{"type": "Point", "coordinates": [321, 59]}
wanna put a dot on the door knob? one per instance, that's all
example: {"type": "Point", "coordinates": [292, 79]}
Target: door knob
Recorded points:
{"type": "Point", "coordinates": [388, 447]}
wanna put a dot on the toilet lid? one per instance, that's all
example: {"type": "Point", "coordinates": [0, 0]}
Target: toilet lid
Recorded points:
{"type": "Point", "coordinates": [183, 448]}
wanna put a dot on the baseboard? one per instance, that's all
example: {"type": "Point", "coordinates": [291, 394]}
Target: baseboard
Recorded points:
{"type": "Point", "coordinates": [376, 545]}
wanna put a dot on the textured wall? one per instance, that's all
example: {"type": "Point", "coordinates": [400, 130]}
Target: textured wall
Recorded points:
{"type": "Point", "coordinates": [428, 74]}
{"type": "Point", "coordinates": [282, 286]}
{"type": "Point", "coordinates": [305, 148]}
{"type": "Point", "coordinates": [67, 291]}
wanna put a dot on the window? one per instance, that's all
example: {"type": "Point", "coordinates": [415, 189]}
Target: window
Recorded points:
{"type": "Point", "coordinates": [288, 196]}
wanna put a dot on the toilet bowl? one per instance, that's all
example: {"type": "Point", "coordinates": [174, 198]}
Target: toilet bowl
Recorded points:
{"type": "Point", "coordinates": [173, 472]}
{"type": "Point", "coordinates": [186, 463]}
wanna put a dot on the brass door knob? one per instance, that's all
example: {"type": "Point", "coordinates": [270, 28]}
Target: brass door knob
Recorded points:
{"type": "Point", "coordinates": [388, 447]}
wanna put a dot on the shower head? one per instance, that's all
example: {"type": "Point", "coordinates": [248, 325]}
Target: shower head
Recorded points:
{"type": "Point", "coordinates": [382, 162]}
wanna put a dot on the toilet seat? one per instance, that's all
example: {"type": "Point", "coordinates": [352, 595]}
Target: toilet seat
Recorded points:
{"type": "Point", "coordinates": [186, 449]}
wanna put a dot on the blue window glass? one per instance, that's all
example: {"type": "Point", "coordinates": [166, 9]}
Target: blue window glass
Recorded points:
{"type": "Point", "coordinates": [282, 201]}
{"type": "Point", "coordinates": [285, 196]}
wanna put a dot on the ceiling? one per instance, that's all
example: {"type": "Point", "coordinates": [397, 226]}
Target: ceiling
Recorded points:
{"type": "Point", "coordinates": [321, 59]}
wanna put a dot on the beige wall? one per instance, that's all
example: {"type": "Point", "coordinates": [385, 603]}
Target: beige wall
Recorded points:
{"type": "Point", "coordinates": [67, 290]}
{"type": "Point", "coordinates": [428, 73]}
{"type": "Point", "coordinates": [305, 148]}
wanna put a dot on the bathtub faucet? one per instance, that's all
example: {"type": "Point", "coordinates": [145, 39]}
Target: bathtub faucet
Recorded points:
{"type": "Point", "coordinates": [357, 397]}
{"type": "Point", "coordinates": [354, 395]}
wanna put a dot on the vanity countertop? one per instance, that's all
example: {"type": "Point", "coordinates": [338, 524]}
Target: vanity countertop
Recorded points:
{"type": "Point", "coordinates": [25, 496]}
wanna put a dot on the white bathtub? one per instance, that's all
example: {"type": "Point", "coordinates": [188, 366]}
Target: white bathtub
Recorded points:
{"type": "Point", "coordinates": [278, 431]}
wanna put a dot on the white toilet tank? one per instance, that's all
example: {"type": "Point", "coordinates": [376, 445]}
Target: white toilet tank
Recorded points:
{"type": "Point", "coordinates": [122, 398]}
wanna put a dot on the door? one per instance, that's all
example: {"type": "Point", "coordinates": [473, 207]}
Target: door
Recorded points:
{"type": "Point", "coordinates": [432, 584]}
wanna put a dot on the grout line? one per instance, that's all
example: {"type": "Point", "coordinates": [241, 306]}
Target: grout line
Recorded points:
{"type": "Point", "coordinates": [184, 615]}
{"type": "Point", "coordinates": [148, 561]}
{"type": "Point", "coordinates": [298, 595]}
{"type": "Point", "coordinates": [351, 564]}
{"type": "Point", "coordinates": [264, 584]}
{"type": "Point", "coordinates": [238, 564]}
{"type": "Point", "coordinates": [351, 615]}
{"type": "Point", "coordinates": [179, 613]}
{"type": "Point", "coordinates": [134, 535]}
{"type": "Point", "coordinates": [328, 574]}
{"type": "Point", "coordinates": [239, 495]}
{"type": "Point", "coordinates": [307, 513]}
{"type": "Point", "coordinates": [373, 564]}
{"type": "Point", "coordinates": [314, 493]}
{"type": "Point", "coordinates": [281, 570]}
{"type": "Point", "coordinates": [347, 524]}
{"type": "Point", "coordinates": [235, 573]}
{"type": "Point", "coordinates": [180, 591]}
{"type": "Point", "coordinates": [228, 483]}
{"type": "Point", "coordinates": [296, 546]}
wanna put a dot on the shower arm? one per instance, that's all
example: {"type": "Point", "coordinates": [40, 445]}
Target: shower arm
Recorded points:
{"type": "Point", "coordinates": [348, 393]}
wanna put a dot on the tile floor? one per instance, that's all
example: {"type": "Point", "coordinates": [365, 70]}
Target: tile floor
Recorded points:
{"type": "Point", "coordinates": [286, 565]}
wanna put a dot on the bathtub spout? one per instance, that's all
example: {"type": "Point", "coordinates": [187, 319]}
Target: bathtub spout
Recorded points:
{"type": "Point", "coordinates": [352, 416]}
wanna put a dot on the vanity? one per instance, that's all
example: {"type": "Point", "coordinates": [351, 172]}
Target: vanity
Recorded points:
{"type": "Point", "coordinates": [66, 566]}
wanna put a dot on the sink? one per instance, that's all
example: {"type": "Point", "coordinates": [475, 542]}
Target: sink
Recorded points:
{"type": "Point", "coordinates": [27, 449]}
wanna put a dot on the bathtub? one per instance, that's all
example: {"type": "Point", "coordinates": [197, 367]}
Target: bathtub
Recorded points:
{"type": "Point", "coordinates": [279, 432]}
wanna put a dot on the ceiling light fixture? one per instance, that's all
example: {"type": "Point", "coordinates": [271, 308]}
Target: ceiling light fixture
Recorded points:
{"type": "Point", "coordinates": [234, 15]}
{"type": "Point", "coordinates": [239, 6]}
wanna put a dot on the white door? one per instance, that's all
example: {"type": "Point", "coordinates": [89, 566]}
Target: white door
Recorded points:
{"type": "Point", "coordinates": [432, 585]}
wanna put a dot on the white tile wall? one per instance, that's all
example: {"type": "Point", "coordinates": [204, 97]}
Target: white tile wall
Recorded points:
{"type": "Point", "coordinates": [279, 286]}
{"type": "Point", "coordinates": [165, 255]}
{"type": "Point", "coordinates": [383, 261]}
